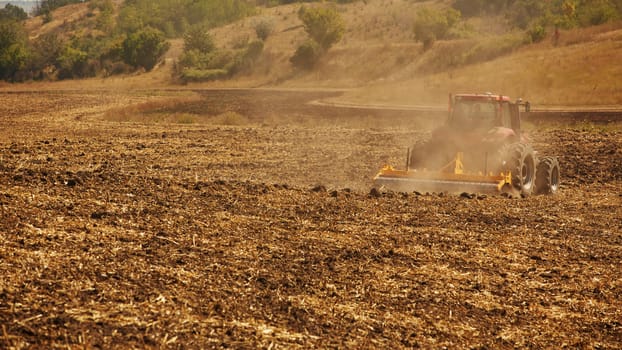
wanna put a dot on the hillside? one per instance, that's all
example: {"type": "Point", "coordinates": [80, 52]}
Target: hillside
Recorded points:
{"type": "Point", "coordinates": [379, 59]}
{"type": "Point", "coordinates": [573, 74]}
{"type": "Point", "coordinates": [379, 62]}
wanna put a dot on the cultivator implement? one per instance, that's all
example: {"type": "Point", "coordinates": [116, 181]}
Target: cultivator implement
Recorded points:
{"type": "Point", "coordinates": [487, 127]}
{"type": "Point", "coordinates": [451, 178]}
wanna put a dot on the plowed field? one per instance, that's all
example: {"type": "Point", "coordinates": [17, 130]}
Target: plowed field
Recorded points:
{"type": "Point", "coordinates": [258, 230]}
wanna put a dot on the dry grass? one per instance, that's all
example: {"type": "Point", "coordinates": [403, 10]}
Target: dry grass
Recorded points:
{"type": "Point", "coordinates": [575, 75]}
{"type": "Point", "coordinates": [170, 111]}
{"type": "Point", "coordinates": [145, 111]}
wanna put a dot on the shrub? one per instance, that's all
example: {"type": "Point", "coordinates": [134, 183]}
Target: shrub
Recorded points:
{"type": "Point", "coordinates": [175, 16]}
{"type": "Point", "coordinates": [263, 29]}
{"type": "Point", "coordinates": [115, 67]}
{"type": "Point", "coordinates": [191, 58]}
{"type": "Point", "coordinates": [253, 50]}
{"type": "Point", "coordinates": [72, 63]}
{"type": "Point", "coordinates": [307, 55]}
{"type": "Point", "coordinates": [324, 25]}
{"type": "Point", "coordinates": [196, 74]}
{"type": "Point", "coordinates": [144, 48]}
{"type": "Point", "coordinates": [105, 21]}
{"type": "Point", "coordinates": [524, 12]}
{"type": "Point", "coordinates": [216, 59]}
{"type": "Point", "coordinates": [537, 33]}
{"type": "Point", "coordinates": [597, 12]}
{"type": "Point", "coordinates": [46, 50]}
{"type": "Point", "coordinates": [198, 38]}
{"type": "Point", "coordinates": [433, 24]}
{"type": "Point", "coordinates": [245, 59]}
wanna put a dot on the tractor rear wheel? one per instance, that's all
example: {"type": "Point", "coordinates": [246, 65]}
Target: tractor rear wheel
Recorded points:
{"type": "Point", "coordinates": [520, 160]}
{"type": "Point", "coordinates": [547, 176]}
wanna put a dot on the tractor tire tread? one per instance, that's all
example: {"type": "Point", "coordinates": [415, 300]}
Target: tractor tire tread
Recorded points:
{"type": "Point", "coordinates": [547, 175]}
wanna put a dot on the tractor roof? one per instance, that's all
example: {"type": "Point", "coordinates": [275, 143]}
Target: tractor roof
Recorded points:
{"type": "Point", "coordinates": [482, 97]}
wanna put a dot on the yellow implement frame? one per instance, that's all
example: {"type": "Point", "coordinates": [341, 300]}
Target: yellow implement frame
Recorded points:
{"type": "Point", "coordinates": [450, 178]}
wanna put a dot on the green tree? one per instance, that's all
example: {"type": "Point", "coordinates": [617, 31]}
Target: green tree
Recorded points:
{"type": "Point", "coordinates": [14, 53]}
{"type": "Point", "coordinates": [431, 24]}
{"type": "Point", "coordinates": [72, 63]}
{"type": "Point", "coordinates": [130, 20]}
{"type": "Point", "coordinates": [12, 60]}
{"type": "Point", "coordinates": [536, 33]}
{"type": "Point", "coordinates": [198, 38]}
{"type": "Point", "coordinates": [105, 20]}
{"type": "Point", "coordinates": [323, 24]}
{"type": "Point", "coordinates": [144, 48]}
{"type": "Point", "coordinates": [47, 48]}
{"type": "Point", "coordinates": [12, 12]}
{"type": "Point", "coordinates": [325, 28]}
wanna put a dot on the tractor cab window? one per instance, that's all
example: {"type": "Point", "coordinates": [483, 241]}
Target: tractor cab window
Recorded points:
{"type": "Point", "coordinates": [474, 114]}
{"type": "Point", "coordinates": [506, 115]}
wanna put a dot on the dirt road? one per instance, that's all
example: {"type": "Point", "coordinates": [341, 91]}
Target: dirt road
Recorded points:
{"type": "Point", "coordinates": [260, 232]}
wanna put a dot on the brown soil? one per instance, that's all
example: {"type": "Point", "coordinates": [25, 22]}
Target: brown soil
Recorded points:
{"type": "Point", "coordinates": [265, 234]}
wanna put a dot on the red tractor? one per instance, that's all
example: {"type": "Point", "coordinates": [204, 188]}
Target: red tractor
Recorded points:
{"type": "Point", "coordinates": [480, 148]}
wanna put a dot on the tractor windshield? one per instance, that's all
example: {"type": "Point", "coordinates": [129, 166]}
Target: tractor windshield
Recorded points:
{"type": "Point", "coordinates": [472, 114]}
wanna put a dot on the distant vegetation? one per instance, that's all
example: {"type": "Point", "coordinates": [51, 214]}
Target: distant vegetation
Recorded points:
{"type": "Point", "coordinates": [558, 13]}
{"type": "Point", "coordinates": [111, 40]}
{"type": "Point", "coordinates": [175, 17]}
{"type": "Point", "coordinates": [202, 60]}
{"type": "Point", "coordinates": [12, 13]}
{"type": "Point", "coordinates": [535, 17]}
{"type": "Point", "coordinates": [527, 21]}
{"type": "Point", "coordinates": [105, 44]}
{"type": "Point", "coordinates": [45, 7]}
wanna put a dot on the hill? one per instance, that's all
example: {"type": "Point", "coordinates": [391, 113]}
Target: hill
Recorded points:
{"type": "Point", "coordinates": [378, 61]}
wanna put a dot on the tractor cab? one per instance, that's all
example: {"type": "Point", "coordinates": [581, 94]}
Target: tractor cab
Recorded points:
{"type": "Point", "coordinates": [483, 111]}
